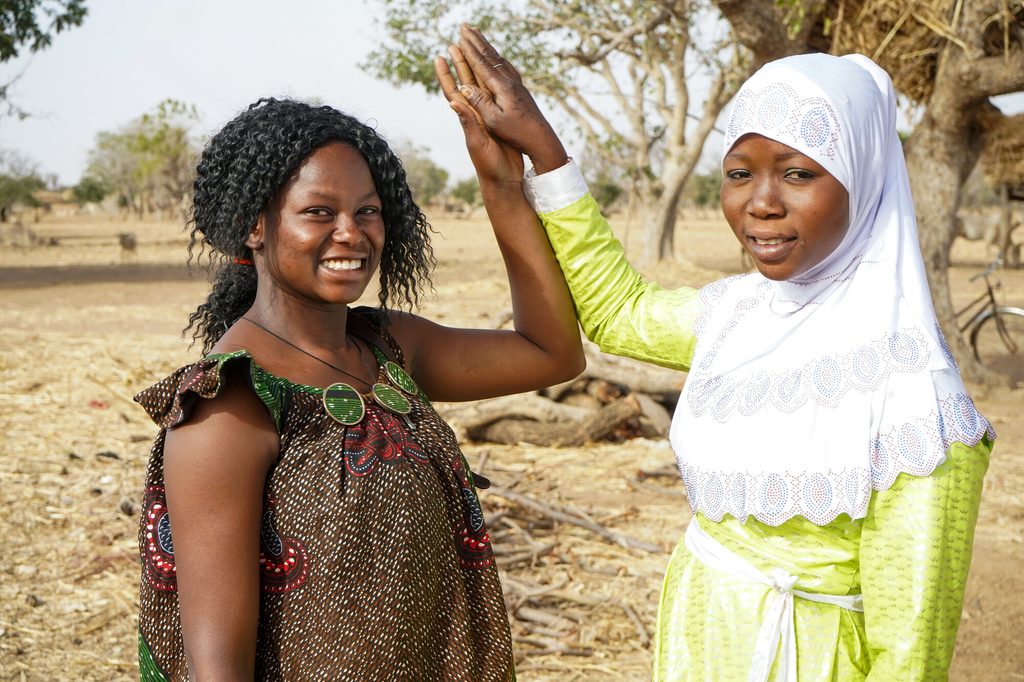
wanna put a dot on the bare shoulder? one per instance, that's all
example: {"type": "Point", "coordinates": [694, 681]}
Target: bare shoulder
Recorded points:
{"type": "Point", "coordinates": [409, 330]}
{"type": "Point", "coordinates": [233, 427]}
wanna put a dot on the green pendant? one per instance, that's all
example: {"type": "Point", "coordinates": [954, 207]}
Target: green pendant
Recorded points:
{"type": "Point", "coordinates": [344, 404]}
{"type": "Point", "coordinates": [390, 399]}
{"type": "Point", "coordinates": [399, 378]}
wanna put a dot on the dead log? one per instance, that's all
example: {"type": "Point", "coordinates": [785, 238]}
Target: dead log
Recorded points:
{"type": "Point", "coordinates": [557, 391]}
{"type": "Point", "coordinates": [654, 418]}
{"type": "Point", "coordinates": [582, 400]}
{"type": "Point", "coordinates": [604, 390]}
{"type": "Point", "coordinates": [595, 427]}
{"type": "Point", "coordinates": [467, 418]}
{"type": "Point", "coordinates": [642, 377]}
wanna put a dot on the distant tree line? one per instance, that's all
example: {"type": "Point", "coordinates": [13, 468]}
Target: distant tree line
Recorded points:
{"type": "Point", "coordinates": [19, 180]}
{"type": "Point", "coordinates": [26, 26]}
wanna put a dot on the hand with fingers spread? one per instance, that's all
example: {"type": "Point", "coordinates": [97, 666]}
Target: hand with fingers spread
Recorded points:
{"type": "Point", "coordinates": [494, 89]}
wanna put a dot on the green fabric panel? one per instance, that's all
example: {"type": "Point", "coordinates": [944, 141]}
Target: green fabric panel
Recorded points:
{"type": "Point", "coordinates": [915, 554]}
{"type": "Point", "coordinates": [271, 389]}
{"type": "Point", "coordinates": [149, 671]}
{"type": "Point", "coordinates": [909, 557]}
{"type": "Point", "coordinates": [618, 310]}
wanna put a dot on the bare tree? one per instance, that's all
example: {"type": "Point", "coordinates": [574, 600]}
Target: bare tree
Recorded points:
{"type": "Point", "coordinates": [620, 70]}
{"type": "Point", "coordinates": [949, 57]}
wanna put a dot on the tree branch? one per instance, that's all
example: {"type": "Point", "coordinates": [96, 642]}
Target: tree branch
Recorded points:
{"type": "Point", "coordinates": [760, 26]}
{"type": "Point", "coordinates": [614, 42]}
{"type": "Point", "coordinates": [990, 76]}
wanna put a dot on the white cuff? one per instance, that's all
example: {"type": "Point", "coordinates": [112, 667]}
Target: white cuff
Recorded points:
{"type": "Point", "coordinates": [555, 189]}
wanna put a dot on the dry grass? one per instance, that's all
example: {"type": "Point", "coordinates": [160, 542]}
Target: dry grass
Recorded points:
{"type": "Point", "coordinates": [74, 449]}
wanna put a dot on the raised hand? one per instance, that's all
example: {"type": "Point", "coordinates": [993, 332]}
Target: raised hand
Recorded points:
{"type": "Point", "coordinates": [495, 90]}
{"type": "Point", "coordinates": [495, 160]}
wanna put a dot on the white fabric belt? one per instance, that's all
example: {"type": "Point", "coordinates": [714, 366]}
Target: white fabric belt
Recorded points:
{"type": "Point", "coordinates": [777, 623]}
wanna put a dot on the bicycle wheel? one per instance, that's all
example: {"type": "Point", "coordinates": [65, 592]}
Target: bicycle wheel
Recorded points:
{"type": "Point", "coordinates": [998, 341]}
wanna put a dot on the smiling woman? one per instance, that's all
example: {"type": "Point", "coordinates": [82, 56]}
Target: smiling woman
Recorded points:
{"type": "Point", "coordinates": [307, 513]}
{"type": "Point", "coordinates": [787, 211]}
{"type": "Point", "coordinates": [829, 449]}
{"type": "Point", "coordinates": [322, 236]}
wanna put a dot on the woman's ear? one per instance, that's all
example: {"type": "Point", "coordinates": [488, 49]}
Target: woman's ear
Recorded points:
{"type": "Point", "coordinates": [255, 239]}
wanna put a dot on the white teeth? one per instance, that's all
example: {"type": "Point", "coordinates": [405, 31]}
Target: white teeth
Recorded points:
{"type": "Point", "coordinates": [338, 264]}
{"type": "Point", "coordinates": [768, 242]}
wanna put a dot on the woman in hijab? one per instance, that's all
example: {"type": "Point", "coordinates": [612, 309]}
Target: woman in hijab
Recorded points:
{"type": "Point", "coordinates": [830, 452]}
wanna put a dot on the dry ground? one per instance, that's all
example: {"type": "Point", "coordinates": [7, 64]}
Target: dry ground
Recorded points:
{"type": "Point", "coordinates": [85, 327]}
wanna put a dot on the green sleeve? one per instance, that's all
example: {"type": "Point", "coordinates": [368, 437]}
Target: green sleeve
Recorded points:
{"type": "Point", "coordinates": [915, 552]}
{"type": "Point", "coordinates": [618, 310]}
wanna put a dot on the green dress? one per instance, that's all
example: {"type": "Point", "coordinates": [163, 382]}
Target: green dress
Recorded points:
{"type": "Point", "coordinates": [908, 556]}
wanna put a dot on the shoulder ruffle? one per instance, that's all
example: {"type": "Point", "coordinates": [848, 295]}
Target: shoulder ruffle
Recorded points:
{"type": "Point", "coordinates": [169, 401]}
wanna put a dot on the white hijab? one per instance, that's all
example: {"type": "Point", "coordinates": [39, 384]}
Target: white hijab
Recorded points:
{"type": "Point", "coordinates": [806, 394]}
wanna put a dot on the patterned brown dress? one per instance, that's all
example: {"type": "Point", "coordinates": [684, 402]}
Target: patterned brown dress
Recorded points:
{"type": "Point", "coordinates": [375, 561]}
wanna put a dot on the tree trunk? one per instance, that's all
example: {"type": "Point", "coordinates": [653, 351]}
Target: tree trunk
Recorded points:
{"type": "Point", "coordinates": [941, 152]}
{"type": "Point", "coordinates": [936, 160]}
{"type": "Point", "coordinates": [660, 221]}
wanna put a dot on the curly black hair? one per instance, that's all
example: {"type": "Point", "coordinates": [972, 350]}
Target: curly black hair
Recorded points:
{"type": "Point", "coordinates": [245, 165]}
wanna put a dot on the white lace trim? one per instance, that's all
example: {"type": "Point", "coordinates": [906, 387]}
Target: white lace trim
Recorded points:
{"type": "Point", "coordinates": [916, 448]}
{"type": "Point", "coordinates": [825, 379]}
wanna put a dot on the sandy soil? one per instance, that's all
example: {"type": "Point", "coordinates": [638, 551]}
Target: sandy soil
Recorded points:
{"type": "Point", "coordinates": [86, 326]}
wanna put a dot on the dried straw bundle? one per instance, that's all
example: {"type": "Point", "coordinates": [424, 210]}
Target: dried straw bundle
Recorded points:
{"type": "Point", "coordinates": [1003, 158]}
{"type": "Point", "coordinates": [907, 37]}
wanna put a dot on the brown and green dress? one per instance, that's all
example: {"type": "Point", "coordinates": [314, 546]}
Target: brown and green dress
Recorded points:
{"type": "Point", "coordinates": [375, 561]}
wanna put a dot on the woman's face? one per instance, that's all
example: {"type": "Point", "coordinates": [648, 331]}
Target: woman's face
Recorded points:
{"type": "Point", "coordinates": [786, 210]}
{"type": "Point", "coordinates": [321, 237]}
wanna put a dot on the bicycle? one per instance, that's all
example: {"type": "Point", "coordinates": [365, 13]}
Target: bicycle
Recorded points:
{"type": "Point", "coordinates": [996, 331]}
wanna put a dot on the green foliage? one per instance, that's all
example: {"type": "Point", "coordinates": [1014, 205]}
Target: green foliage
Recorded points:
{"type": "Point", "coordinates": [416, 31]}
{"type": "Point", "coordinates": [426, 179]}
{"type": "Point", "coordinates": [149, 162]}
{"type": "Point", "coordinates": [90, 190]}
{"type": "Point", "coordinates": [605, 190]}
{"type": "Point", "coordinates": [18, 181]}
{"type": "Point", "coordinates": [607, 182]}
{"type": "Point", "coordinates": [795, 15]}
{"type": "Point", "coordinates": [467, 191]}
{"type": "Point", "coordinates": [31, 24]}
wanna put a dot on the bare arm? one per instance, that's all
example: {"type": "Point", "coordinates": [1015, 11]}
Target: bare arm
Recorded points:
{"type": "Point", "coordinates": [215, 468]}
{"type": "Point", "coordinates": [544, 348]}
{"type": "Point", "coordinates": [617, 308]}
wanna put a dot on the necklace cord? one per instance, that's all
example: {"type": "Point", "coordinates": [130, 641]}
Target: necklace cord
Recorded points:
{"type": "Point", "coordinates": [319, 359]}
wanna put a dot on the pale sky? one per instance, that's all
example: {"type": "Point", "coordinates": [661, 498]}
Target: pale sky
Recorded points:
{"type": "Point", "coordinates": [219, 55]}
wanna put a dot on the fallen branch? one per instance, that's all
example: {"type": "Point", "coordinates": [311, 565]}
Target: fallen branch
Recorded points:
{"type": "Point", "coordinates": [567, 434]}
{"type": "Point", "coordinates": [563, 516]}
{"type": "Point", "coordinates": [635, 375]}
